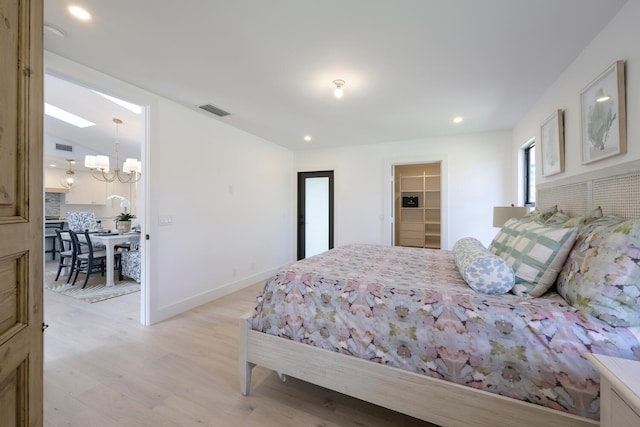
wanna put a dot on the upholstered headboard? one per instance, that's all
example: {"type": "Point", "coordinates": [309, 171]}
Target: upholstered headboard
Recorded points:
{"type": "Point", "coordinates": [615, 189]}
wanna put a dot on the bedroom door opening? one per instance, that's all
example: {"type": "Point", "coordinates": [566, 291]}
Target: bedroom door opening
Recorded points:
{"type": "Point", "coordinates": [103, 198]}
{"type": "Point", "coordinates": [315, 213]}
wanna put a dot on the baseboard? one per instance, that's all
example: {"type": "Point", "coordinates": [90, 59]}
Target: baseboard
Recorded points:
{"type": "Point", "coordinates": [174, 309]}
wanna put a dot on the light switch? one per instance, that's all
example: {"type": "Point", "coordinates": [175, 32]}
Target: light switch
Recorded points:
{"type": "Point", "coordinates": [165, 220]}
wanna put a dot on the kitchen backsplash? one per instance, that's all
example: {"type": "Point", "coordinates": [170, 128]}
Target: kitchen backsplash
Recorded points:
{"type": "Point", "coordinates": [52, 202]}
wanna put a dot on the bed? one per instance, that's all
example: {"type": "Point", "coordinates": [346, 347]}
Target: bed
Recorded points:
{"type": "Point", "coordinates": [434, 348]}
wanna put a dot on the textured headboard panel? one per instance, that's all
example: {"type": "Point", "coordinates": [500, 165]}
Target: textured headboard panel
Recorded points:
{"type": "Point", "coordinates": [573, 199]}
{"type": "Point", "coordinates": [619, 195]}
{"type": "Point", "coordinates": [615, 189]}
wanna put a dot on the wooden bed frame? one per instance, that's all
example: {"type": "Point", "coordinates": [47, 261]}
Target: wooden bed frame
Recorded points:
{"type": "Point", "coordinates": [615, 189]}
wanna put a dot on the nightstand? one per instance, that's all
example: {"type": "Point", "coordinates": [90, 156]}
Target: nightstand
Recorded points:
{"type": "Point", "coordinates": [619, 390]}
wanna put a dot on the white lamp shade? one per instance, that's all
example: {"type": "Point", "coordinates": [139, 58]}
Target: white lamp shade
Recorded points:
{"type": "Point", "coordinates": [90, 162]}
{"type": "Point", "coordinates": [102, 163]}
{"type": "Point", "coordinates": [97, 162]}
{"type": "Point", "coordinates": [502, 214]}
{"type": "Point", "coordinates": [132, 165]}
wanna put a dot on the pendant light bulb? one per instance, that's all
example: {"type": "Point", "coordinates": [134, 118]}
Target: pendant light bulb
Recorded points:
{"type": "Point", "coordinates": [338, 92]}
{"type": "Point", "coordinates": [69, 178]}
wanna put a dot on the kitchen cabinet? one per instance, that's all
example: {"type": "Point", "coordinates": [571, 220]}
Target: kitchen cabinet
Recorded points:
{"type": "Point", "coordinates": [86, 191]}
{"type": "Point", "coordinates": [52, 181]}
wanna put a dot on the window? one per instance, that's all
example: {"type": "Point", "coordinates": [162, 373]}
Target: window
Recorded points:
{"type": "Point", "coordinates": [530, 174]}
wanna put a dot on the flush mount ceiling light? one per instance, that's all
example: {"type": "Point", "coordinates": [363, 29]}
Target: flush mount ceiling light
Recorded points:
{"type": "Point", "coordinates": [338, 92]}
{"type": "Point", "coordinates": [131, 169]}
{"type": "Point", "coordinates": [69, 178]}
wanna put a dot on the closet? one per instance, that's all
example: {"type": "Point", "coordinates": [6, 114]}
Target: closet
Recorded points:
{"type": "Point", "coordinates": [417, 205]}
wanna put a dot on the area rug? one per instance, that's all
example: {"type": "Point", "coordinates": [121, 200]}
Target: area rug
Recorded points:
{"type": "Point", "coordinates": [96, 289]}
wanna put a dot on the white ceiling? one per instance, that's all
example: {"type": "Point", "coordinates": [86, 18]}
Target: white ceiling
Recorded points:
{"type": "Point", "coordinates": [98, 139]}
{"type": "Point", "coordinates": [410, 66]}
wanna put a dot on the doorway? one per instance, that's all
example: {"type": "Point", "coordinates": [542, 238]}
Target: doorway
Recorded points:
{"type": "Point", "coordinates": [315, 213]}
{"type": "Point", "coordinates": [418, 205]}
{"type": "Point", "coordinates": [103, 135]}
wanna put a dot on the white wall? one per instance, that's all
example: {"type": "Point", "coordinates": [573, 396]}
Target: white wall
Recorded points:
{"type": "Point", "coordinates": [618, 40]}
{"type": "Point", "coordinates": [229, 194]}
{"type": "Point", "coordinates": [477, 176]}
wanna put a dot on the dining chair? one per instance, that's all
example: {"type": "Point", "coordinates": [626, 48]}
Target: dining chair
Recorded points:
{"type": "Point", "coordinates": [88, 260]}
{"type": "Point", "coordinates": [67, 254]}
{"type": "Point", "coordinates": [130, 261]}
{"type": "Point", "coordinates": [130, 265]}
{"type": "Point", "coordinates": [50, 233]}
{"type": "Point", "coordinates": [80, 221]}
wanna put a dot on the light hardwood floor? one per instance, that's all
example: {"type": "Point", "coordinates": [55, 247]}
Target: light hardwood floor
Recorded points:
{"type": "Point", "coordinates": [102, 368]}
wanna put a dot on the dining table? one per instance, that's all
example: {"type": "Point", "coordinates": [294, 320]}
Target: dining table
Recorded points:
{"type": "Point", "coordinates": [110, 240]}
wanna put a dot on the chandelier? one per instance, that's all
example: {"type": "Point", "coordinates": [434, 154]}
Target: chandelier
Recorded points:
{"type": "Point", "coordinates": [99, 165]}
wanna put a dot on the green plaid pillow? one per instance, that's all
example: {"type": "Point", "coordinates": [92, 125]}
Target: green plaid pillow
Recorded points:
{"type": "Point", "coordinates": [536, 256]}
{"type": "Point", "coordinates": [503, 241]}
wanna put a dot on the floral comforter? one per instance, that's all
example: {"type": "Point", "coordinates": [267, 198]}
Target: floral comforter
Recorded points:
{"type": "Point", "coordinates": [411, 309]}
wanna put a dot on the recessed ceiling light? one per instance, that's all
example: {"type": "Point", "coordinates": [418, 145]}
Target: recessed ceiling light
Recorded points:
{"type": "Point", "coordinates": [79, 13]}
{"type": "Point", "coordinates": [307, 138]}
{"type": "Point", "coordinates": [457, 119]}
{"type": "Point", "coordinates": [65, 116]}
{"type": "Point", "coordinates": [52, 165]}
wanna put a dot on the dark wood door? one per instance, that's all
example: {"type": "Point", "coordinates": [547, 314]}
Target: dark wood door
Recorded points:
{"type": "Point", "coordinates": [315, 212]}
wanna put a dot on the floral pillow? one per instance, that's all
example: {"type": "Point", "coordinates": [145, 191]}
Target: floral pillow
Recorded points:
{"type": "Point", "coordinates": [540, 216]}
{"type": "Point", "coordinates": [483, 271]}
{"type": "Point", "coordinates": [558, 219]}
{"type": "Point", "coordinates": [581, 221]}
{"type": "Point", "coordinates": [602, 274]}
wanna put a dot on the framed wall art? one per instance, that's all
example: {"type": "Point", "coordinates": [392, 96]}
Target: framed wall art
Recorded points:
{"type": "Point", "coordinates": [603, 115]}
{"type": "Point", "coordinates": [552, 144]}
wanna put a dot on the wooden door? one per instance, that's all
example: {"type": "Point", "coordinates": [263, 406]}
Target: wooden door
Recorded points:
{"type": "Point", "coordinates": [21, 226]}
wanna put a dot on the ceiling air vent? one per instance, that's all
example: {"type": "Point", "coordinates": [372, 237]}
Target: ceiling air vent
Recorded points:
{"type": "Point", "coordinates": [214, 110]}
{"type": "Point", "coordinates": [64, 147]}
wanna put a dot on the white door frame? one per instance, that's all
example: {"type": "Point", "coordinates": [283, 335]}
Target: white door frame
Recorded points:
{"type": "Point", "coordinates": [389, 194]}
